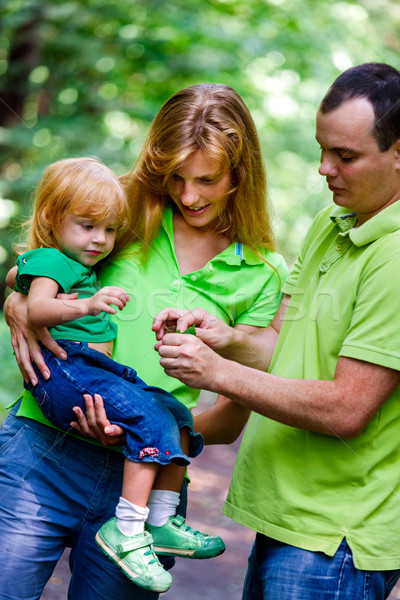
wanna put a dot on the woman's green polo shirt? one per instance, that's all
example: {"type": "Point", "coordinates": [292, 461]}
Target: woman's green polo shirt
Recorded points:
{"type": "Point", "coordinates": [237, 286]}
{"type": "Point", "coordinates": [308, 489]}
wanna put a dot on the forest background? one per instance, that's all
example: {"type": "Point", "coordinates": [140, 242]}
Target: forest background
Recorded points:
{"type": "Point", "coordinates": [87, 78]}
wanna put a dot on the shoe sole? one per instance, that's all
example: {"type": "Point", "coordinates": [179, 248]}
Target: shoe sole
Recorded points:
{"type": "Point", "coordinates": [181, 552]}
{"type": "Point", "coordinates": [130, 573]}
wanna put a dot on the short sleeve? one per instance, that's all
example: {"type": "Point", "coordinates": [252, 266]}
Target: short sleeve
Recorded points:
{"type": "Point", "coordinates": [44, 262]}
{"type": "Point", "coordinates": [374, 331]}
{"type": "Point", "coordinates": [262, 309]}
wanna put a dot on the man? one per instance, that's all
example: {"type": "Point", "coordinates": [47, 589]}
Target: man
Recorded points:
{"type": "Point", "coordinates": [318, 471]}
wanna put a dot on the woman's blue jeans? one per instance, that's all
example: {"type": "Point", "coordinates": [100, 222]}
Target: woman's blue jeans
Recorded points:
{"type": "Point", "coordinates": [278, 571]}
{"type": "Point", "coordinates": [57, 491]}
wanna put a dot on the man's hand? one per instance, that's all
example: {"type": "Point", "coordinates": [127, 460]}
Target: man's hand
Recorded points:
{"type": "Point", "coordinates": [94, 423]}
{"type": "Point", "coordinates": [188, 359]}
{"type": "Point", "coordinates": [211, 330]}
{"type": "Point", "coordinates": [25, 339]}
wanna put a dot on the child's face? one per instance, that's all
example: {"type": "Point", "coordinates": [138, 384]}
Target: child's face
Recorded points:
{"type": "Point", "coordinates": [86, 241]}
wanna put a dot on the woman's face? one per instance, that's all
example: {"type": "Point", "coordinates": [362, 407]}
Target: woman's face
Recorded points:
{"type": "Point", "coordinates": [197, 192]}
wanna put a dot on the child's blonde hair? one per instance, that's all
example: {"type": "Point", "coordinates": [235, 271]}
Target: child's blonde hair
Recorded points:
{"type": "Point", "coordinates": [83, 186]}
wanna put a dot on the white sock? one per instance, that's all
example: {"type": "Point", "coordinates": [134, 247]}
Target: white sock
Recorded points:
{"type": "Point", "coordinates": [130, 517]}
{"type": "Point", "coordinates": [162, 505]}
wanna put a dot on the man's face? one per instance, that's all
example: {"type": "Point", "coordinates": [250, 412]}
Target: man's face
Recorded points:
{"type": "Point", "coordinates": [360, 176]}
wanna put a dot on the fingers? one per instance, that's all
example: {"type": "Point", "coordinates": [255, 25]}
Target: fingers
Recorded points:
{"type": "Point", "coordinates": [170, 340]}
{"type": "Point", "coordinates": [166, 315]}
{"type": "Point", "coordinates": [171, 319]}
{"type": "Point", "coordinates": [35, 352]}
{"type": "Point", "coordinates": [51, 344]}
{"type": "Point", "coordinates": [188, 359]}
{"type": "Point", "coordinates": [178, 350]}
{"type": "Point", "coordinates": [95, 424]}
{"type": "Point", "coordinates": [102, 420]}
{"type": "Point", "coordinates": [116, 292]}
{"type": "Point", "coordinates": [86, 422]}
{"type": "Point", "coordinates": [24, 362]}
{"type": "Point", "coordinates": [82, 423]}
{"type": "Point", "coordinates": [91, 414]}
{"type": "Point", "coordinates": [111, 295]}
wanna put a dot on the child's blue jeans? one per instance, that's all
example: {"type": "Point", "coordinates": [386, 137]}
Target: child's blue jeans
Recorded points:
{"type": "Point", "coordinates": [151, 417]}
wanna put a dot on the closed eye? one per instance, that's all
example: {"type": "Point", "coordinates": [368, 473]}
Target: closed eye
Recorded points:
{"type": "Point", "coordinates": [345, 158]}
{"type": "Point", "coordinates": [207, 180]}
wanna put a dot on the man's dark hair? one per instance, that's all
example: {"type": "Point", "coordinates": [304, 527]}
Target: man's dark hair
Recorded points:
{"type": "Point", "coordinates": [380, 85]}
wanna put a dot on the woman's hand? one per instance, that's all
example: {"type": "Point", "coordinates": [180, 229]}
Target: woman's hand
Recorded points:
{"type": "Point", "coordinates": [188, 359]}
{"type": "Point", "coordinates": [211, 330]}
{"type": "Point", "coordinates": [94, 423]}
{"type": "Point", "coordinates": [25, 339]}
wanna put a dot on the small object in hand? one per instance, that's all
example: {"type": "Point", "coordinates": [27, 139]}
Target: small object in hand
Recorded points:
{"type": "Point", "coordinates": [191, 330]}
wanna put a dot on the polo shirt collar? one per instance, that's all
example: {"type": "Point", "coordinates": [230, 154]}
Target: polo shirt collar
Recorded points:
{"type": "Point", "coordinates": [344, 220]}
{"type": "Point", "coordinates": [233, 255]}
{"type": "Point", "coordinates": [386, 221]}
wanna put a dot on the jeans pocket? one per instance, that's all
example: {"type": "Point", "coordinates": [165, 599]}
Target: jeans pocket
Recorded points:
{"type": "Point", "coordinates": [43, 400]}
{"type": "Point", "coordinates": [11, 430]}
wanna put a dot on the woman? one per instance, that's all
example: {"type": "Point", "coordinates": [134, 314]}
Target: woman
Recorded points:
{"type": "Point", "coordinates": [200, 236]}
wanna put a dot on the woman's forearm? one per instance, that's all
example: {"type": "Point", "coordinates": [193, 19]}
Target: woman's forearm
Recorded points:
{"type": "Point", "coordinates": [253, 349]}
{"type": "Point", "coordinates": [223, 422]}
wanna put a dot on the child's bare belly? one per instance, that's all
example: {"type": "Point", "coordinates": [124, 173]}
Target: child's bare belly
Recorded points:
{"type": "Point", "coordinates": [104, 347]}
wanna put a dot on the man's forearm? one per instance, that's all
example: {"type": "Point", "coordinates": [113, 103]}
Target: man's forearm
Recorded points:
{"type": "Point", "coordinates": [342, 407]}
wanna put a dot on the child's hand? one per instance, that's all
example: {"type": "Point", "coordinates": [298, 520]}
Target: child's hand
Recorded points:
{"type": "Point", "coordinates": [102, 300]}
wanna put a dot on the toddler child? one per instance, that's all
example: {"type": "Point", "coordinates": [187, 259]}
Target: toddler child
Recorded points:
{"type": "Point", "coordinates": [80, 211]}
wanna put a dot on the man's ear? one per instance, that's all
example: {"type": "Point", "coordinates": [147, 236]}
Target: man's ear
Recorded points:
{"type": "Point", "coordinates": [397, 154]}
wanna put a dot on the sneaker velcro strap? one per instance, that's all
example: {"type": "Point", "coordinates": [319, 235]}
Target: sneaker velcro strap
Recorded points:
{"type": "Point", "coordinates": [134, 543]}
{"type": "Point", "coordinates": [178, 521]}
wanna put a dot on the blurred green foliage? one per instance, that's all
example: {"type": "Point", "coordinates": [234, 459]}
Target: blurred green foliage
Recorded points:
{"type": "Point", "coordinates": [87, 78]}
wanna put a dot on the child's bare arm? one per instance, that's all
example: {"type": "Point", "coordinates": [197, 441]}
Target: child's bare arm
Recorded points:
{"type": "Point", "coordinates": [10, 277]}
{"type": "Point", "coordinates": [45, 310]}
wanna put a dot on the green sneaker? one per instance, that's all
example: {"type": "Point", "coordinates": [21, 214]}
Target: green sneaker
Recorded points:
{"type": "Point", "coordinates": [134, 555]}
{"type": "Point", "coordinates": [175, 538]}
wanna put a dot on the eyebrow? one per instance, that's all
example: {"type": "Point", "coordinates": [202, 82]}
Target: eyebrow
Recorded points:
{"type": "Point", "coordinates": [338, 149]}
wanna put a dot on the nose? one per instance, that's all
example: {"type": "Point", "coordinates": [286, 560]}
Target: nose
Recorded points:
{"type": "Point", "coordinates": [99, 236]}
{"type": "Point", "coordinates": [189, 195]}
{"type": "Point", "coordinates": [328, 165]}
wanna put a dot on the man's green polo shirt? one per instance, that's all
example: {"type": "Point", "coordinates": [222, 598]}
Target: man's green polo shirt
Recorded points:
{"type": "Point", "coordinates": [308, 489]}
